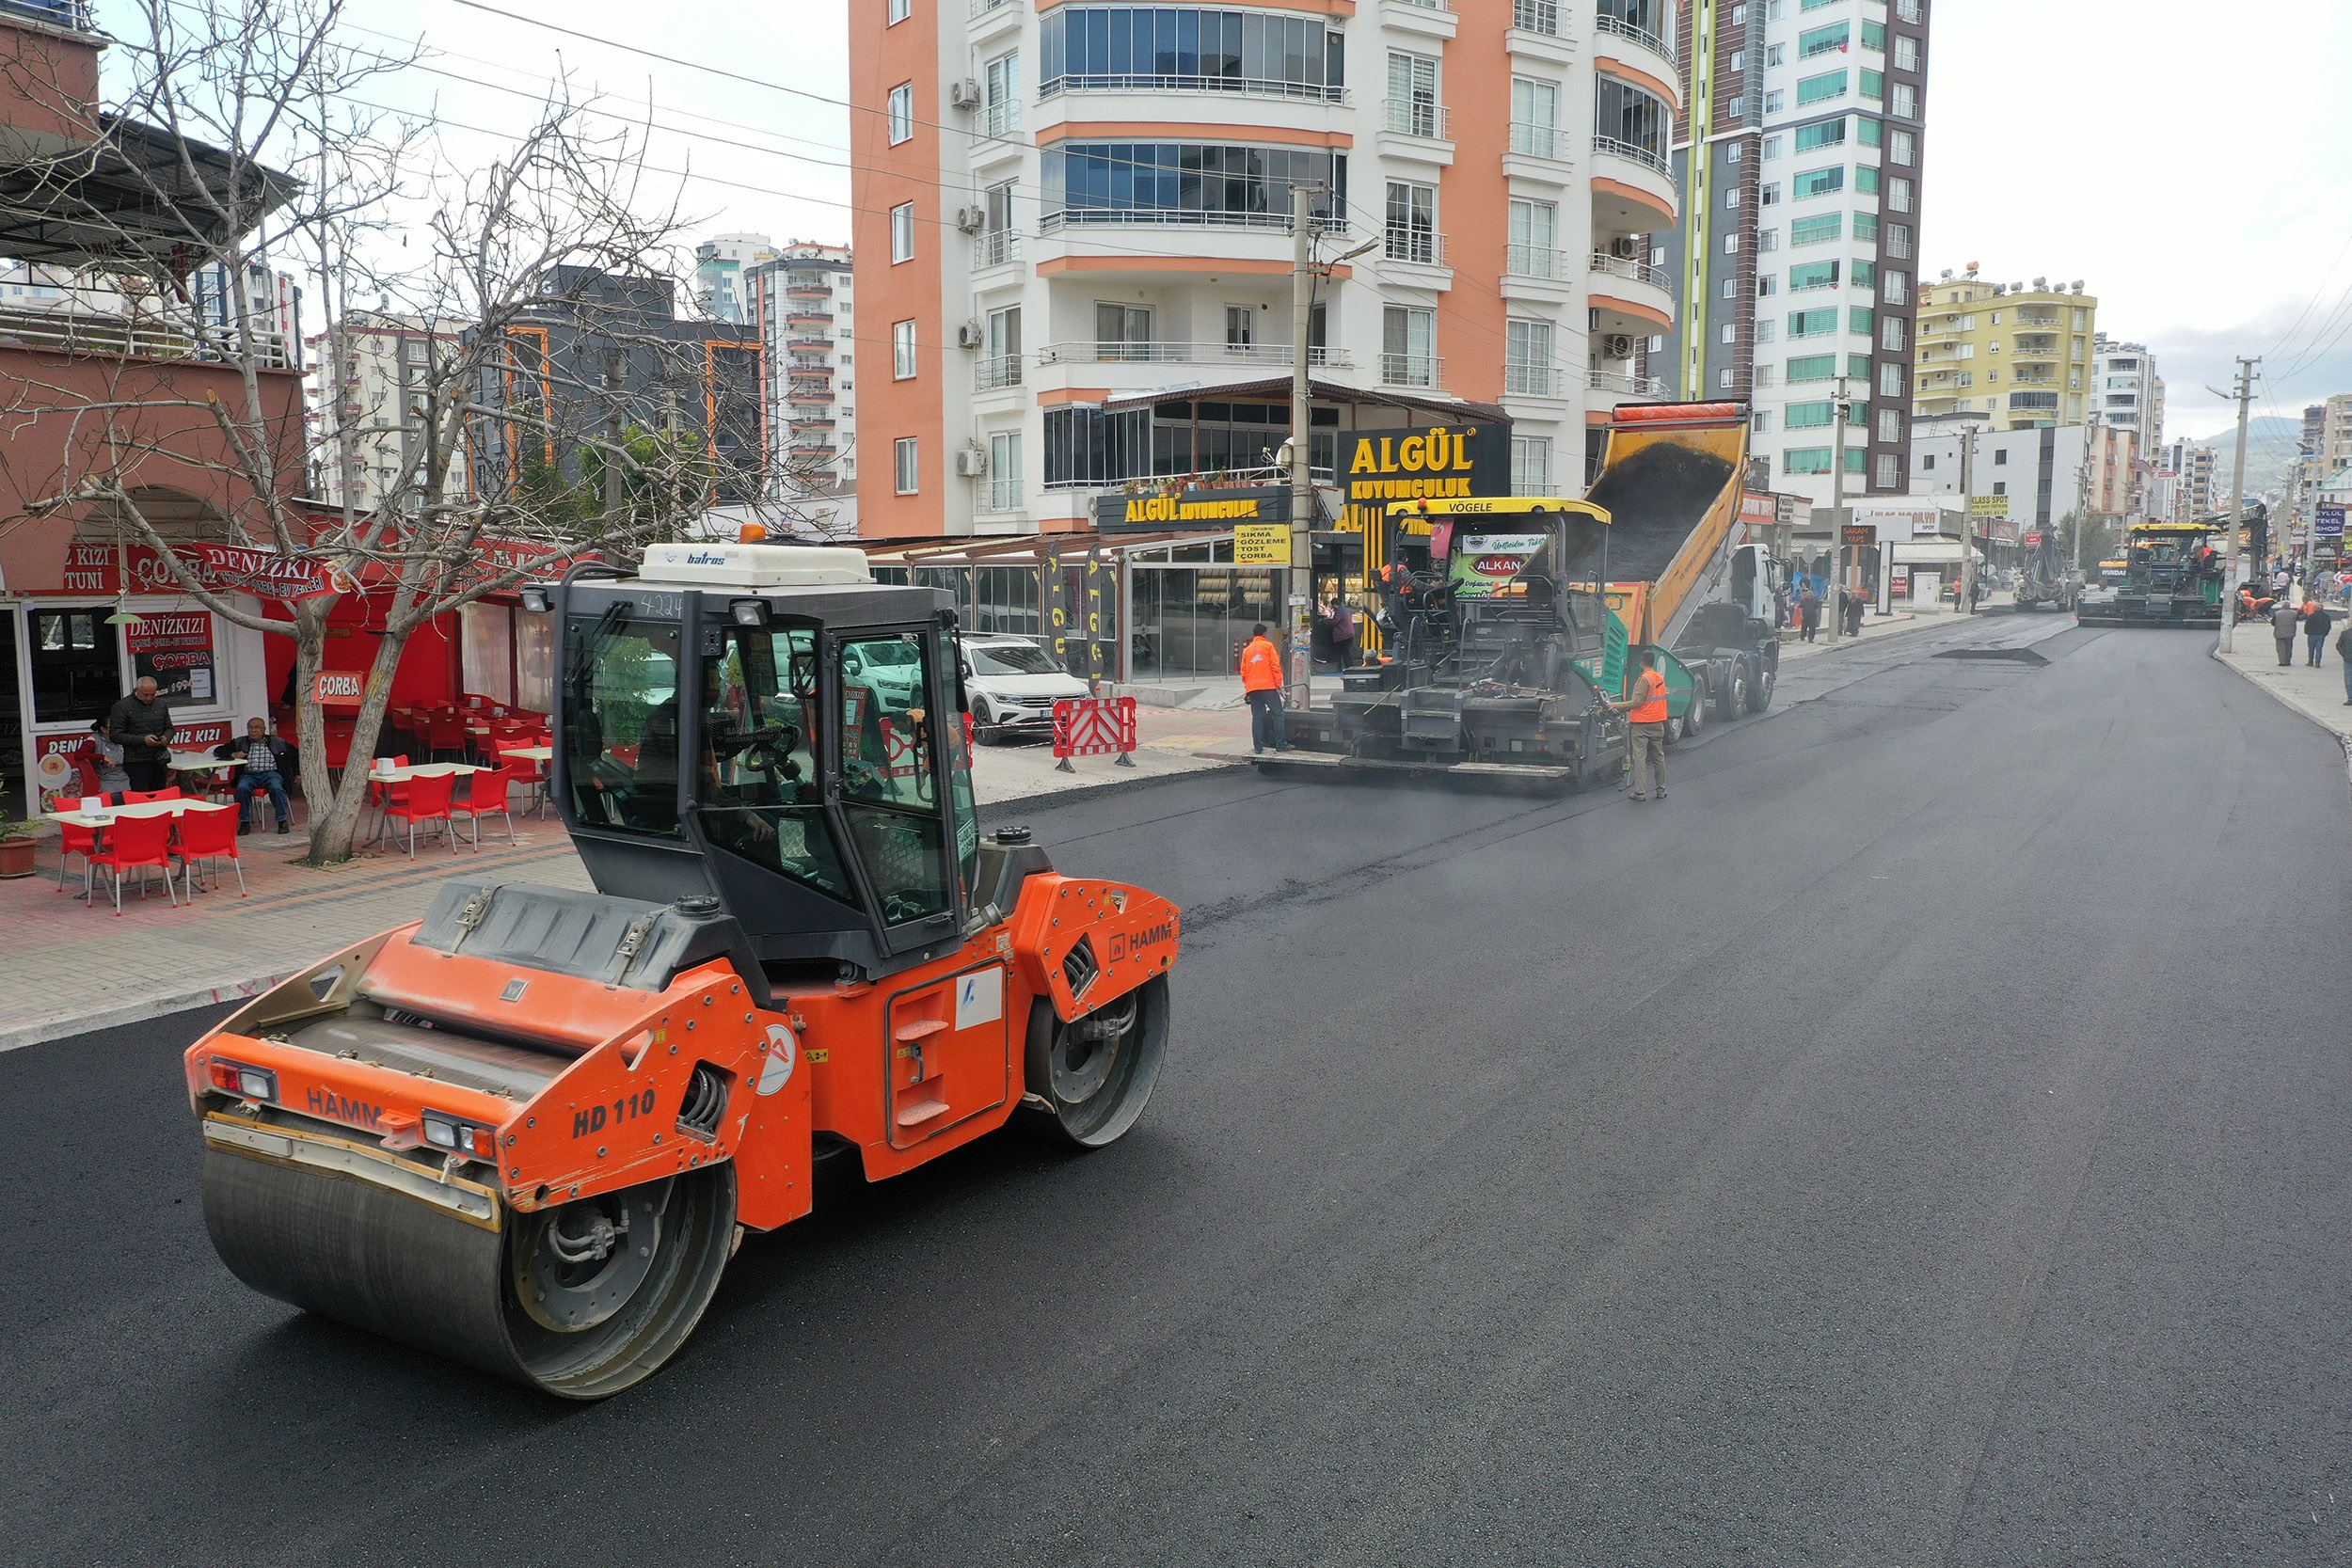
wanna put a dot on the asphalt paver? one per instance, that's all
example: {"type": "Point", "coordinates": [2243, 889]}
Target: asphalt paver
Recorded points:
{"type": "Point", "coordinates": [1920, 1139]}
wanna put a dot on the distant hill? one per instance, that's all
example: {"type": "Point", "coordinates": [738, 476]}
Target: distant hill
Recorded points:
{"type": "Point", "coordinates": [2270, 443]}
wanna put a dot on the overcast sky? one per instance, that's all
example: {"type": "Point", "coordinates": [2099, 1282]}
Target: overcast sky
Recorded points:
{"type": "Point", "coordinates": [2197, 177]}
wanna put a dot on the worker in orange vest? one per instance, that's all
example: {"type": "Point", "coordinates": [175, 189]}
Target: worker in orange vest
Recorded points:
{"type": "Point", "coordinates": [1261, 683]}
{"type": "Point", "coordinates": [1647, 710]}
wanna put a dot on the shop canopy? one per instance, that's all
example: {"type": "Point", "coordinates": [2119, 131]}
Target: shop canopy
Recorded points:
{"type": "Point", "coordinates": [1279, 386]}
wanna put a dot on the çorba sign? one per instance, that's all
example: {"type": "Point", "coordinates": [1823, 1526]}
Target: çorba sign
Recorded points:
{"type": "Point", "coordinates": [1210, 509]}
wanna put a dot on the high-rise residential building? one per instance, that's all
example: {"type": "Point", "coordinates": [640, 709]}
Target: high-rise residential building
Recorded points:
{"type": "Point", "coordinates": [1798, 155]}
{"type": "Point", "coordinates": [2334, 446]}
{"type": "Point", "coordinates": [720, 263]}
{"type": "Point", "coordinates": [2199, 491]}
{"type": "Point", "coordinates": [803, 301]}
{"type": "Point", "coordinates": [2021, 354]}
{"type": "Point", "coordinates": [2127, 390]}
{"type": "Point", "coordinates": [1073, 244]}
{"type": "Point", "coordinates": [377, 397]}
{"type": "Point", "coordinates": [2047, 474]}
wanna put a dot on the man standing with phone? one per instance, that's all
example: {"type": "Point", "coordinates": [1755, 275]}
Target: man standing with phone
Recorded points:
{"type": "Point", "coordinates": [141, 725]}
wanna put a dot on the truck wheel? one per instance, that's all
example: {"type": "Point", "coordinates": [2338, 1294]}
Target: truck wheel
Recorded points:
{"type": "Point", "coordinates": [1733, 700]}
{"type": "Point", "coordinates": [1760, 694]}
{"type": "Point", "coordinates": [1089, 1079]}
{"type": "Point", "coordinates": [1695, 720]}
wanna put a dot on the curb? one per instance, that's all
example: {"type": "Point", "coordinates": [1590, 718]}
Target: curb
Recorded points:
{"type": "Point", "coordinates": [1096, 792]}
{"type": "Point", "coordinates": [137, 1012]}
{"type": "Point", "coordinates": [2342, 738]}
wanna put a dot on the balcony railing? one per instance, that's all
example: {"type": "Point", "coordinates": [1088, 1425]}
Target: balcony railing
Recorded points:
{"type": "Point", "coordinates": [1161, 216]}
{"type": "Point", "coordinates": [1240, 86]}
{"type": "Point", "coordinates": [996, 247]}
{"type": "Point", "coordinates": [1530, 140]}
{"type": "Point", "coordinates": [981, 8]}
{"type": "Point", "coordinates": [1001, 119]}
{"type": "Point", "coordinates": [808, 291]}
{"type": "Point", "coordinates": [1003, 494]}
{"type": "Point", "coordinates": [1630, 149]}
{"type": "Point", "coordinates": [1533, 381]}
{"type": "Point", "coordinates": [1626, 386]}
{"type": "Point", "coordinates": [71, 14]}
{"type": "Point", "coordinates": [817, 345]}
{"type": "Point", "coordinates": [1203, 479]}
{"type": "Point", "coordinates": [1639, 272]}
{"type": "Point", "coordinates": [1425, 246]}
{"type": "Point", "coordinates": [1642, 36]}
{"type": "Point", "coordinates": [996, 371]}
{"type": "Point", "coordinates": [1411, 370]}
{"type": "Point", "coordinates": [808, 318]}
{"type": "Point", "coordinates": [1187, 354]}
{"type": "Point", "coordinates": [65, 333]}
{"type": "Point", "coordinates": [1536, 260]}
{"type": "Point", "coordinates": [1536, 16]}
{"type": "Point", "coordinates": [1415, 117]}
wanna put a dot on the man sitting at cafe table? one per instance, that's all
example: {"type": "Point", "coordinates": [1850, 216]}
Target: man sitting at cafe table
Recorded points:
{"type": "Point", "coordinates": [267, 760]}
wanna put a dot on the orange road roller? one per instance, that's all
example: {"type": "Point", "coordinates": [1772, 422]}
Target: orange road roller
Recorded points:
{"type": "Point", "coordinates": [528, 1131]}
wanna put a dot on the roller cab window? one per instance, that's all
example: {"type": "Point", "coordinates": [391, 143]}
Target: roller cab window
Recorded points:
{"type": "Point", "coordinates": [890, 789]}
{"type": "Point", "coordinates": [620, 722]}
{"type": "Point", "coordinates": [759, 788]}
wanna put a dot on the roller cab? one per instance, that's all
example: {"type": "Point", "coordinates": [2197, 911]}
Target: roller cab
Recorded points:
{"type": "Point", "coordinates": [527, 1132]}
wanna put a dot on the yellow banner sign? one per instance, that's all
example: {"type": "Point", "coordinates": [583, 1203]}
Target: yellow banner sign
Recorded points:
{"type": "Point", "coordinates": [1988, 506]}
{"type": "Point", "coordinates": [1262, 544]}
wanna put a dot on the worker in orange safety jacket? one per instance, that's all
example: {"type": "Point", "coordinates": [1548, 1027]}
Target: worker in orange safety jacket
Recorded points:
{"type": "Point", "coordinates": [1646, 708]}
{"type": "Point", "coordinates": [1261, 684]}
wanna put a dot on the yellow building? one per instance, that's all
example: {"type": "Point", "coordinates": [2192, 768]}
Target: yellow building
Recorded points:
{"type": "Point", "coordinates": [2020, 356]}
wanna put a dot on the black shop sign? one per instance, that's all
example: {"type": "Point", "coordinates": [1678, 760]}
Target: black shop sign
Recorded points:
{"type": "Point", "coordinates": [1208, 510]}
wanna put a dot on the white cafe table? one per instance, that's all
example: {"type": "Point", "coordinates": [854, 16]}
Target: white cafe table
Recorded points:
{"type": "Point", "coordinates": [529, 753]}
{"type": "Point", "coordinates": [422, 770]}
{"type": "Point", "coordinates": [106, 818]}
{"type": "Point", "coordinates": [203, 762]}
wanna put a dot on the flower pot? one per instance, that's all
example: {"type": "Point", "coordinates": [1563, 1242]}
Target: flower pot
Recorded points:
{"type": "Point", "coordinates": [16, 858]}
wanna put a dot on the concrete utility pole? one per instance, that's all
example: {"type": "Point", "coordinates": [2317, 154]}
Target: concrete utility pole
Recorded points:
{"type": "Point", "coordinates": [2231, 572]}
{"type": "Point", "coordinates": [1830, 613]}
{"type": "Point", "coordinates": [613, 434]}
{"type": "Point", "coordinates": [1967, 515]}
{"type": "Point", "coordinates": [1301, 573]}
{"type": "Point", "coordinates": [2082, 498]}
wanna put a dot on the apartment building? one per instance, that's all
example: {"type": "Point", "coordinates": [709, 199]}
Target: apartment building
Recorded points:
{"type": "Point", "coordinates": [2046, 474]}
{"type": "Point", "coordinates": [1073, 245]}
{"type": "Point", "coordinates": [377, 398]}
{"type": "Point", "coordinates": [1799, 153]}
{"type": "Point", "coordinates": [720, 265]}
{"type": "Point", "coordinates": [802, 300]}
{"type": "Point", "coordinates": [2333, 446]}
{"type": "Point", "coordinates": [2127, 390]}
{"type": "Point", "coordinates": [2020, 355]}
{"type": "Point", "coordinates": [2197, 489]}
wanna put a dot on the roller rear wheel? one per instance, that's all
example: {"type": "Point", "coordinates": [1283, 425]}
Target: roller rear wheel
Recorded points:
{"type": "Point", "coordinates": [1094, 1074]}
{"type": "Point", "coordinates": [581, 1300]}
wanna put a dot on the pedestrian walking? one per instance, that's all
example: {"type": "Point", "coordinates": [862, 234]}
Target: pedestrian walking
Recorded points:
{"type": "Point", "coordinates": [2343, 658]}
{"type": "Point", "coordinates": [1854, 605]}
{"type": "Point", "coordinates": [2316, 624]}
{"type": "Point", "coordinates": [141, 725]}
{"type": "Point", "coordinates": [1646, 710]}
{"type": "Point", "coordinates": [1809, 610]}
{"type": "Point", "coordinates": [1262, 686]}
{"type": "Point", "coordinates": [2284, 618]}
{"type": "Point", "coordinates": [1346, 626]}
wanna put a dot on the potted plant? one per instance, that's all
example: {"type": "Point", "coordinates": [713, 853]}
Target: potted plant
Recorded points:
{"type": "Point", "coordinates": [16, 848]}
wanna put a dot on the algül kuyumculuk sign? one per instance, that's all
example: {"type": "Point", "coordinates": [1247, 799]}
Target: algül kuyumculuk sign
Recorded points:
{"type": "Point", "coordinates": [1439, 463]}
{"type": "Point", "coordinates": [1208, 510]}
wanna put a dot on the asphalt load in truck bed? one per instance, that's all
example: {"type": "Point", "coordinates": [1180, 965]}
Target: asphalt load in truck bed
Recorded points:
{"type": "Point", "coordinates": [1655, 498]}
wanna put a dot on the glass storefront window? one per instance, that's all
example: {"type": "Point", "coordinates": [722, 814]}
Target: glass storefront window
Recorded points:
{"type": "Point", "coordinates": [76, 665]}
{"type": "Point", "coordinates": [1191, 622]}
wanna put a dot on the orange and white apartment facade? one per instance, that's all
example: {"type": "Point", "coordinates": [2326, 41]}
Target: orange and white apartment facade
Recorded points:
{"type": "Point", "coordinates": [1074, 253]}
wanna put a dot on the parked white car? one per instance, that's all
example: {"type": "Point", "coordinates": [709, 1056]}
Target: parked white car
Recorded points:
{"type": "Point", "coordinates": [1012, 684]}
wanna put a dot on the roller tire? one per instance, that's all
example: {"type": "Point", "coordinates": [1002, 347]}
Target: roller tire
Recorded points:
{"type": "Point", "coordinates": [411, 1272]}
{"type": "Point", "coordinates": [1078, 1096]}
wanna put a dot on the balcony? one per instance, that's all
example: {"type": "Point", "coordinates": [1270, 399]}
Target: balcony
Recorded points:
{"type": "Point", "coordinates": [996, 371]}
{"type": "Point", "coordinates": [981, 8]}
{"type": "Point", "coordinates": [808, 375]}
{"type": "Point", "coordinates": [1421, 246]}
{"type": "Point", "coordinates": [1530, 140]}
{"type": "Point", "coordinates": [1632, 271]}
{"type": "Point", "coordinates": [1161, 218]}
{"type": "Point", "coordinates": [63, 332]}
{"type": "Point", "coordinates": [1649, 387]}
{"type": "Point", "coordinates": [808, 291]}
{"type": "Point", "coordinates": [1618, 28]}
{"type": "Point", "coordinates": [1425, 371]}
{"type": "Point", "coordinates": [1001, 119]}
{"type": "Point", "coordinates": [1611, 146]}
{"type": "Point", "coordinates": [1414, 116]}
{"type": "Point", "coordinates": [800, 424]}
{"type": "Point", "coordinates": [1534, 381]}
{"type": "Point", "coordinates": [808, 318]}
{"type": "Point", "coordinates": [810, 345]}
{"type": "Point", "coordinates": [1632, 189]}
{"type": "Point", "coordinates": [1188, 353]}
{"type": "Point", "coordinates": [1237, 86]}
{"type": "Point", "coordinates": [995, 249]}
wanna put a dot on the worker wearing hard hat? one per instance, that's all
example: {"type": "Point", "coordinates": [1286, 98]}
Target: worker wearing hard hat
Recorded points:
{"type": "Point", "coordinates": [1262, 685]}
{"type": "Point", "coordinates": [1646, 708]}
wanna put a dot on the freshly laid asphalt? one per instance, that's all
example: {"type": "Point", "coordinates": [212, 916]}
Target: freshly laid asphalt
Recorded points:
{"type": "Point", "coordinates": [1923, 1138]}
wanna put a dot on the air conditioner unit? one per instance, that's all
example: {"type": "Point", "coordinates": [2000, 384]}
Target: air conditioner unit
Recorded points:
{"type": "Point", "coordinates": [1625, 247]}
{"type": "Point", "coordinates": [971, 219]}
{"type": "Point", "coordinates": [972, 463]}
{"type": "Point", "coordinates": [971, 335]}
{"type": "Point", "coordinates": [964, 94]}
{"type": "Point", "coordinates": [1617, 346]}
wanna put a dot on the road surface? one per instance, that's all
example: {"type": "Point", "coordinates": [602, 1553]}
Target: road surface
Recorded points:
{"type": "Point", "coordinates": [1921, 1139]}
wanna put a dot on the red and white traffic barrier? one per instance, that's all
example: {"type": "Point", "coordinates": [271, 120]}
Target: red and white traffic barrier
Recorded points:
{"type": "Point", "coordinates": [1094, 727]}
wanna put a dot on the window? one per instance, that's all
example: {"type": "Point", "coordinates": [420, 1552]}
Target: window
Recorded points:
{"type": "Point", "coordinates": [412, 350]}
{"type": "Point", "coordinates": [1739, 60]}
{"type": "Point", "coordinates": [2000, 459]}
{"type": "Point", "coordinates": [1731, 288]}
{"type": "Point", "coordinates": [1731, 196]}
{"type": "Point", "coordinates": [1814, 231]}
{"type": "Point", "coordinates": [902, 233]}
{"type": "Point", "coordinates": [899, 11]}
{"type": "Point", "coordinates": [1769, 196]}
{"type": "Point", "coordinates": [1409, 340]}
{"type": "Point", "coordinates": [1775, 102]}
{"type": "Point", "coordinates": [1002, 367]}
{"type": "Point", "coordinates": [1122, 331]}
{"type": "Point", "coordinates": [1123, 181]}
{"type": "Point", "coordinates": [1813, 275]}
{"type": "Point", "coordinates": [1899, 195]}
{"type": "Point", "coordinates": [1536, 16]}
{"type": "Point", "coordinates": [1000, 103]}
{"type": "Point", "coordinates": [1858, 316]}
{"type": "Point", "coordinates": [1535, 246]}
{"type": "Point", "coordinates": [1890, 471]}
{"type": "Point", "coordinates": [1821, 88]}
{"type": "Point", "coordinates": [892, 805]}
{"type": "Point", "coordinates": [1829, 132]}
{"type": "Point", "coordinates": [1241, 328]}
{"type": "Point", "coordinates": [1873, 84]}
{"type": "Point", "coordinates": [1866, 181]}
{"type": "Point", "coordinates": [1906, 51]}
{"type": "Point", "coordinates": [1527, 358]}
{"type": "Point", "coordinates": [1411, 234]}
{"type": "Point", "coordinates": [1004, 471]}
{"type": "Point", "coordinates": [1625, 114]}
{"type": "Point", "coordinates": [1765, 330]}
{"type": "Point", "coordinates": [1771, 147]}
{"type": "Point", "coordinates": [902, 350]}
{"type": "Point", "coordinates": [904, 451]}
{"type": "Point", "coordinates": [1766, 239]}
{"type": "Point", "coordinates": [1894, 288]}
{"type": "Point", "coordinates": [1812, 367]}
{"type": "Point", "coordinates": [1189, 49]}
{"type": "Point", "coordinates": [1765, 377]}
{"type": "Point", "coordinates": [1870, 133]}
{"type": "Point", "coordinates": [1905, 103]}
{"type": "Point", "coordinates": [1890, 425]}
{"type": "Point", "coordinates": [1731, 332]}
{"type": "Point", "coordinates": [1806, 415]}
{"type": "Point", "coordinates": [1731, 243]}
{"type": "Point", "coordinates": [902, 112]}
{"type": "Point", "coordinates": [1812, 323]}
{"type": "Point", "coordinates": [1531, 465]}
{"type": "Point", "coordinates": [1776, 54]}
{"type": "Point", "coordinates": [1804, 459]}
{"type": "Point", "coordinates": [1534, 117]}
{"type": "Point", "coordinates": [1874, 36]}
{"type": "Point", "coordinates": [1760, 420]}
{"type": "Point", "coordinates": [1723, 378]}
{"type": "Point", "coordinates": [1822, 40]}
{"type": "Point", "coordinates": [1898, 241]}
{"type": "Point", "coordinates": [1890, 380]}
{"type": "Point", "coordinates": [2081, 321]}
{"type": "Point", "coordinates": [1864, 275]}
{"type": "Point", "coordinates": [1866, 227]}
{"type": "Point", "coordinates": [1819, 181]}
{"type": "Point", "coordinates": [1927, 464]}
{"type": "Point", "coordinates": [1766, 285]}
{"type": "Point", "coordinates": [1412, 107]}
{"type": "Point", "coordinates": [1900, 148]}
{"type": "Point", "coordinates": [2000, 487]}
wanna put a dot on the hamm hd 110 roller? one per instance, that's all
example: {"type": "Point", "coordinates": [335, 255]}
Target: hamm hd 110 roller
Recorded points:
{"type": "Point", "coordinates": [528, 1131]}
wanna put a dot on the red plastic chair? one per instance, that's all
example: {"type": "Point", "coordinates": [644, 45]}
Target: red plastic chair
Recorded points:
{"type": "Point", "coordinates": [76, 841]}
{"type": "Point", "coordinates": [134, 797]}
{"type": "Point", "coordinates": [493, 795]}
{"type": "Point", "coordinates": [445, 732]}
{"type": "Point", "coordinates": [389, 794]}
{"type": "Point", "coordinates": [133, 844]}
{"type": "Point", "coordinates": [427, 801]}
{"type": "Point", "coordinates": [206, 835]}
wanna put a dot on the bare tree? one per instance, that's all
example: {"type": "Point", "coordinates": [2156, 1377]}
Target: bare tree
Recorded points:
{"type": "Point", "coordinates": [515, 458]}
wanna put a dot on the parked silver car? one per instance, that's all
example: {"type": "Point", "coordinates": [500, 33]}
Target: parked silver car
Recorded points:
{"type": "Point", "coordinates": [1014, 684]}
